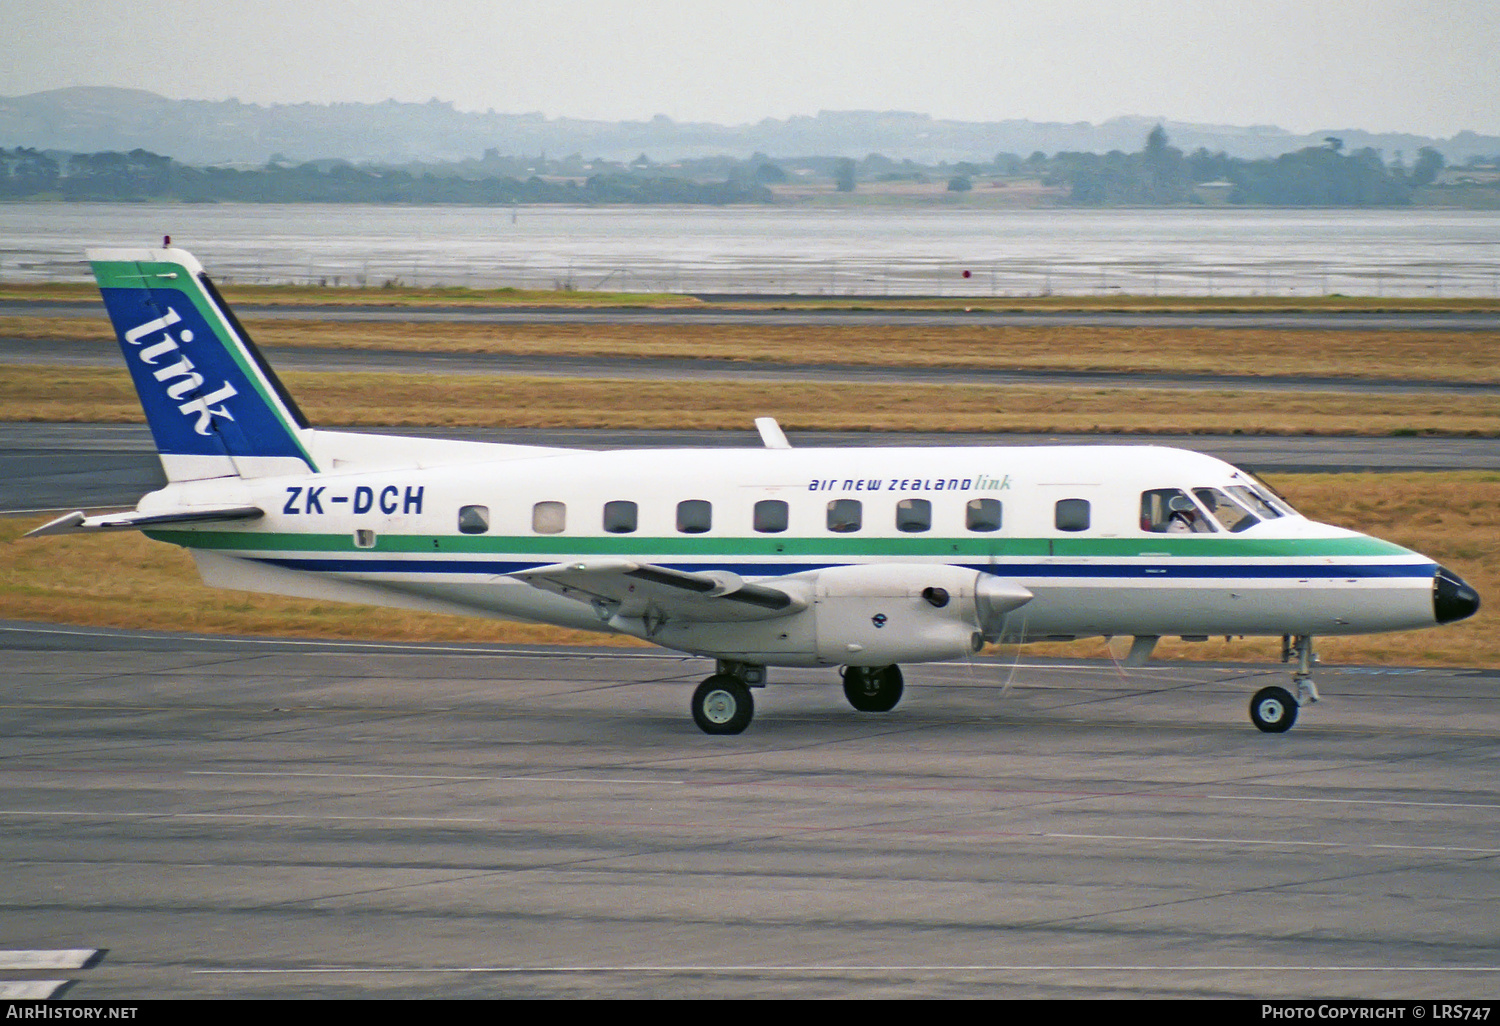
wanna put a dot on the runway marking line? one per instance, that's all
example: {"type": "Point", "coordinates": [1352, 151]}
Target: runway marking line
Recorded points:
{"type": "Point", "coordinates": [426, 776]}
{"type": "Point", "coordinates": [60, 958]}
{"type": "Point", "coordinates": [774, 828]}
{"type": "Point", "coordinates": [30, 990]}
{"type": "Point", "coordinates": [723, 969]}
{"type": "Point", "coordinates": [805, 785]}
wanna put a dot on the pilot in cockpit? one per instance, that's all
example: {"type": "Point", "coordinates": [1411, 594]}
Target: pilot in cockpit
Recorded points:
{"type": "Point", "coordinates": [1184, 517]}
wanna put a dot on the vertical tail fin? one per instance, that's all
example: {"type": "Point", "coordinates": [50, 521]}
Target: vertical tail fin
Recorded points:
{"type": "Point", "coordinates": [215, 407]}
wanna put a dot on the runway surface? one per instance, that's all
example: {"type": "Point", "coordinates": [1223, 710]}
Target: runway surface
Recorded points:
{"type": "Point", "coordinates": [244, 818]}
{"type": "Point", "coordinates": [769, 313]}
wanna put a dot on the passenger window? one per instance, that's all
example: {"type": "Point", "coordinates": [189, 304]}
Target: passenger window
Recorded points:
{"type": "Point", "coordinates": [364, 538]}
{"type": "Point", "coordinates": [913, 515]}
{"type": "Point", "coordinates": [1072, 515]}
{"type": "Point", "coordinates": [549, 517]}
{"type": "Point", "coordinates": [1225, 510]}
{"type": "Point", "coordinates": [619, 516]}
{"type": "Point", "coordinates": [844, 515]}
{"type": "Point", "coordinates": [770, 516]}
{"type": "Point", "coordinates": [983, 515]}
{"type": "Point", "coordinates": [473, 519]}
{"type": "Point", "coordinates": [695, 516]}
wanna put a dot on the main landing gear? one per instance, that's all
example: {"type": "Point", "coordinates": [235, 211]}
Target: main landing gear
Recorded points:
{"type": "Point", "coordinates": [873, 688]}
{"type": "Point", "coordinates": [1274, 710]}
{"type": "Point", "coordinates": [722, 704]}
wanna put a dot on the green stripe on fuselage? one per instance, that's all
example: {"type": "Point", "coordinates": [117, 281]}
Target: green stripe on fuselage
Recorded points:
{"type": "Point", "coordinates": [846, 547]}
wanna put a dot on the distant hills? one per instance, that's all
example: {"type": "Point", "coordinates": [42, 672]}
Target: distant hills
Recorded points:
{"type": "Point", "coordinates": [92, 119]}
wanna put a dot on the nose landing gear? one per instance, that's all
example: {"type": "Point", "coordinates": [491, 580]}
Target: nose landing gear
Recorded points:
{"type": "Point", "coordinates": [1274, 710]}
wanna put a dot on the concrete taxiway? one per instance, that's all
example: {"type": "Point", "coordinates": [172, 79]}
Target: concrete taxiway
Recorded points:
{"type": "Point", "coordinates": [250, 818]}
{"type": "Point", "coordinates": [769, 310]}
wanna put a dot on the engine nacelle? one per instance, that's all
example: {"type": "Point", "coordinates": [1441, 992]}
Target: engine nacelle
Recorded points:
{"type": "Point", "coordinates": [876, 614]}
{"type": "Point", "coordinates": [867, 614]}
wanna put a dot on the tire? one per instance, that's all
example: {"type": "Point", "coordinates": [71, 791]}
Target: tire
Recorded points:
{"type": "Point", "coordinates": [722, 705]}
{"type": "Point", "coordinates": [1273, 710]}
{"type": "Point", "coordinates": [873, 689]}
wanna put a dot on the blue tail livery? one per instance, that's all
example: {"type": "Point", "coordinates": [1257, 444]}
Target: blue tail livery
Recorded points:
{"type": "Point", "coordinates": [215, 407]}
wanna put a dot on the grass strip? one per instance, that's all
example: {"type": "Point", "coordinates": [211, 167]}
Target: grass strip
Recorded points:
{"type": "Point", "coordinates": [102, 395]}
{"type": "Point", "coordinates": [1391, 355]}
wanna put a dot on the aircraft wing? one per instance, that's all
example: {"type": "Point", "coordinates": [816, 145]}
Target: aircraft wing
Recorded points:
{"type": "Point", "coordinates": [134, 520]}
{"type": "Point", "coordinates": [626, 588]}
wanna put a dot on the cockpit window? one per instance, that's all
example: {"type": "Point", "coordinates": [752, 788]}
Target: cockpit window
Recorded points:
{"type": "Point", "coordinates": [1170, 511]}
{"type": "Point", "coordinates": [1259, 504]}
{"type": "Point", "coordinates": [1279, 504]}
{"type": "Point", "coordinates": [1225, 510]}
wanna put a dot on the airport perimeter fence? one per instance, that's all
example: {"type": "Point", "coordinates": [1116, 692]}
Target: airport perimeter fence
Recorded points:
{"type": "Point", "coordinates": [848, 278]}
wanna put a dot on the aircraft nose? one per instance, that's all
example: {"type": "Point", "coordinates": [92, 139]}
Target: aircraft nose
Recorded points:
{"type": "Point", "coordinates": [1452, 598]}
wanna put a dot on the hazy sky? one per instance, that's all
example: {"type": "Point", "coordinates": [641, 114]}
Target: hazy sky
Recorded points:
{"type": "Point", "coordinates": [1305, 65]}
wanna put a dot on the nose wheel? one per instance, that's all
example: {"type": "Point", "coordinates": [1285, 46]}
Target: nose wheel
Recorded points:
{"type": "Point", "coordinates": [1273, 710]}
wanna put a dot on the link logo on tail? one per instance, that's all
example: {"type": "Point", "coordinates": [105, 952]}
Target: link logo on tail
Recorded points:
{"type": "Point", "coordinates": [214, 406]}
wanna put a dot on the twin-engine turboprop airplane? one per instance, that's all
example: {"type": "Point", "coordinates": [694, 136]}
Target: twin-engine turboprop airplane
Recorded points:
{"type": "Point", "coordinates": [855, 558]}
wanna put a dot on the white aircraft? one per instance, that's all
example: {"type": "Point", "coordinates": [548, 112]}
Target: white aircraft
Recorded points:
{"type": "Point", "coordinates": [855, 558]}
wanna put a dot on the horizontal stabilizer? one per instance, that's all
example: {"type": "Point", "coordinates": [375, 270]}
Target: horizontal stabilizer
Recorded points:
{"type": "Point", "coordinates": [134, 520]}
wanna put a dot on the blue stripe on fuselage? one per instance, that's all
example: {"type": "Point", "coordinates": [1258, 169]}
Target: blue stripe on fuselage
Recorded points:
{"type": "Point", "coordinates": [1114, 571]}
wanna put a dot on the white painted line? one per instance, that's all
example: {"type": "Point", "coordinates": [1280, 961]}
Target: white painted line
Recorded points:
{"type": "Point", "coordinates": [921, 968]}
{"type": "Point", "coordinates": [1274, 842]}
{"type": "Point", "coordinates": [418, 648]}
{"type": "Point", "coordinates": [1356, 801]}
{"type": "Point", "coordinates": [61, 958]}
{"type": "Point", "coordinates": [425, 776]}
{"type": "Point", "coordinates": [246, 816]}
{"type": "Point", "coordinates": [507, 823]}
{"type": "Point", "coordinates": [30, 990]}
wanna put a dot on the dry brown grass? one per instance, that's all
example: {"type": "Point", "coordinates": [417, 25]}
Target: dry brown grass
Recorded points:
{"type": "Point", "coordinates": [1423, 355]}
{"type": "Point", "coordinates": [105, 395]}
{"type": "Point", "coordinates": [150, 586]}
{"type": "Point", "coordinates": [1454, 518]}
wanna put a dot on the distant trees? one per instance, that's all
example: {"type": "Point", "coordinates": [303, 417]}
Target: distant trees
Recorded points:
{"type": "Point", "coordinates": [25, 172]}
{"type": "Point", "coordinates": [1425, 170]}
{"type": "Point", "coordinates": [141, 175]}
{"type": "Point", "coordinates": [1160, 175]}
{"type": "Point", "coordinates": [843, 175]}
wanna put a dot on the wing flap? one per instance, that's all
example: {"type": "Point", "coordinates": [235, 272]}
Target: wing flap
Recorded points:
{"type": "Point", "coordinates": [135, 520]}
{"type": "Point", "coordinates": [627, 588]}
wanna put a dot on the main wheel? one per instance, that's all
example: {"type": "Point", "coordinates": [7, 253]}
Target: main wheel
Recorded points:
{"type": "Point", "coordinates": [873, 689]}
{"type": "Point", "coordinates": [722, 705]}
{"type": "Point", "coordinates": [1273, 710]}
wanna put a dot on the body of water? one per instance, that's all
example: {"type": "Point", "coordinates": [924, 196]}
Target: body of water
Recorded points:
{"type": "Point", "coordinates": [785, 250]}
